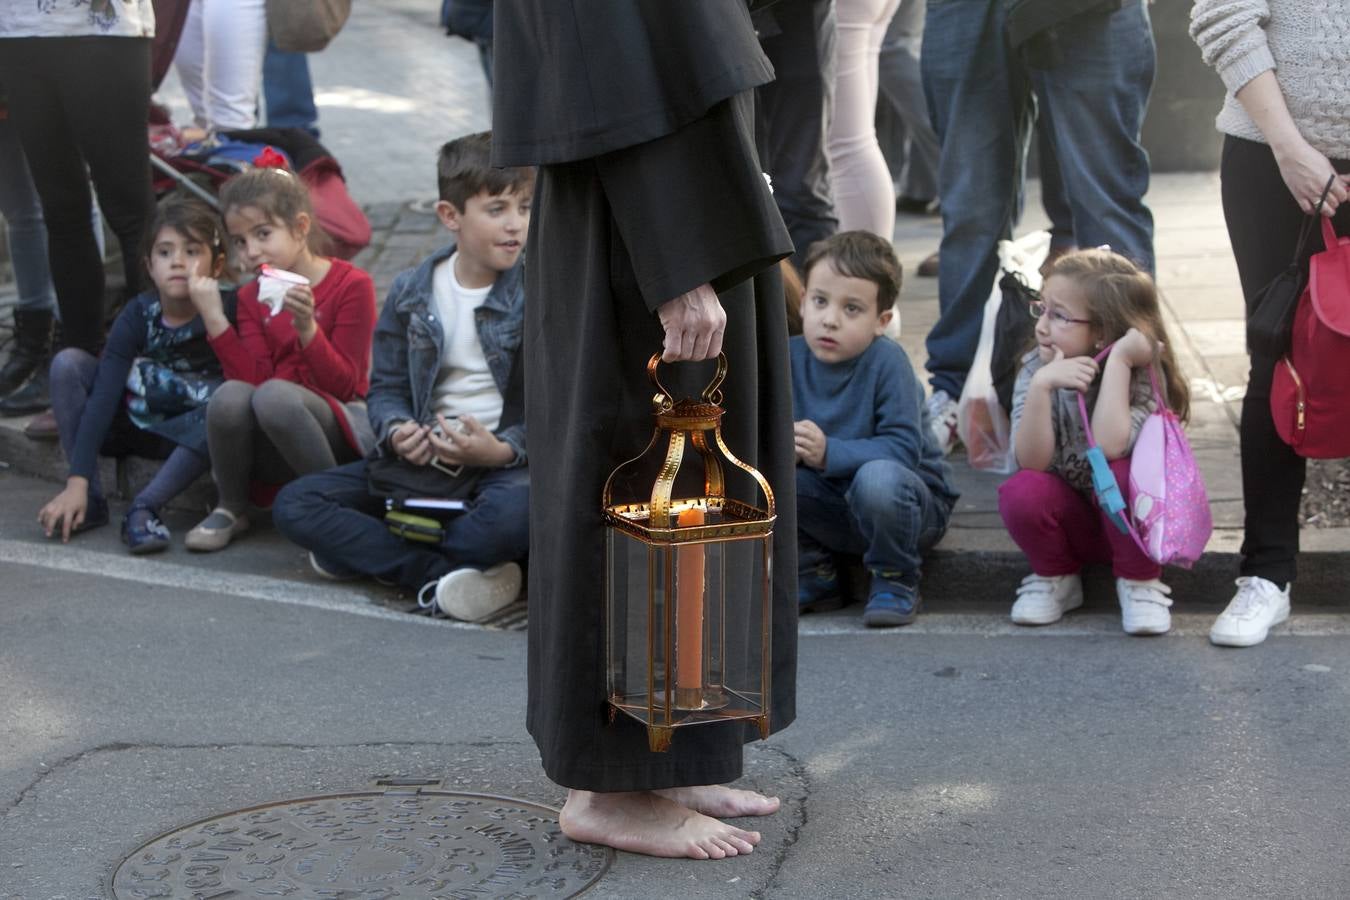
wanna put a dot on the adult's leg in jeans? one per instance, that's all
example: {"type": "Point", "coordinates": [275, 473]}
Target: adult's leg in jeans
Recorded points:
{"type": "Point", "coordinates": [1109, 57]}
{"type": "Point", "coordinates": [72, 378]}
{"type": "Point", "coordinates": [1053, 200]}
{"type": "Point", "coordinates": [898, 517]}
{"type": "Point", "coordinates": [901, 85]}
{"type": "Point", "coordinates": [794, 113]}
{"type": "Point", "coordinates": [864, 197]}
{"type": "Point", "coordinates": [980, 104]}
{"type": "Point", "coordinates": [231, 435]}
{"type": "Point", "coordinates": [27, 233]}
{"type": "Point", "coordinates": [289, 91]}
{"type": "Point", "coordinates": [334, 515]}
{"type": "Point", "coordinates": [301, 425]}
{"type": "Point", "coordinates": [32, 74]}
{"type": "Point", "coordinates": [1263, 225]}
{"type": "Point", "coordinates": [176, 475]}
{"type": "Point", "coordinates": [107, 116]}
{"type": "Point", "coordinates": [496, 527]}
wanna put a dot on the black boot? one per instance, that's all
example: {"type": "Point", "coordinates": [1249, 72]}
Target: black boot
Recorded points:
{"type": "Point", "coordinates": [23, 380]}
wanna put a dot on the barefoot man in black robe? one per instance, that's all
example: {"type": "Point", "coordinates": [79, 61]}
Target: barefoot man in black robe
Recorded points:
{"type": "Point", "coordinates": [653, 228]}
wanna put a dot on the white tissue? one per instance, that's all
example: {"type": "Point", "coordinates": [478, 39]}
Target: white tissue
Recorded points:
{"type": "Point", "coordinates": [273, 285]}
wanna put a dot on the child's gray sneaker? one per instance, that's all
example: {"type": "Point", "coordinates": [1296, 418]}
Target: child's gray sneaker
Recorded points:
{"type": "Point", "coordinates": [472, 596]}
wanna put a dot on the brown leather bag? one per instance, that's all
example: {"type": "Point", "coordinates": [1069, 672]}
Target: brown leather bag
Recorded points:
{"type": "Point", "coordinates": [306, 26]}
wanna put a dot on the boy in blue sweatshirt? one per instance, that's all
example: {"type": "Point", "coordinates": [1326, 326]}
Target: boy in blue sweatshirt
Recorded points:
{"type": "Point", "coordinates": [871, 480]}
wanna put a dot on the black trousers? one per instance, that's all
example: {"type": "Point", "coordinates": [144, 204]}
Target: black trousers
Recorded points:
{"type": "Point", "coordinates": [80, 105]}
{"type": "Point", "coordinates": [1263, 225]}
{"type": "Point", "coordinates": [793, 116]}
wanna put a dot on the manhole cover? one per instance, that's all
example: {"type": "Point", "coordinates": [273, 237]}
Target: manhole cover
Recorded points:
{"type": "Point", "coordinates": [367, 846]}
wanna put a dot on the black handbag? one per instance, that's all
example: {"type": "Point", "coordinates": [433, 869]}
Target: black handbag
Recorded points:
{"type": "Point", "coordinates": [1014, 334]}
{"type": "Point", "coordinates": [1270, 312]}
{"type": "Point", "coordinates": [396, 479]}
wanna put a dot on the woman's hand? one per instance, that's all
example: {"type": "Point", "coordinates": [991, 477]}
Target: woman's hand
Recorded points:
{"type": "Point", "coordinates": [469, 445]}
{"type": "Point", "coordinates": [67, 509]}
{"type": "Point", "coordinates": [1074, 373]}
{"type": "Point", "coordinates": [1306, 172]}
{"type": "Point", "coordinates": [410, 442]}
{"type": "Point", "coordinates": [204, 294]}
{"type": "Point", "coordinates": [694, 323]}
{"type": "Point", "coordinates": [299, 301]}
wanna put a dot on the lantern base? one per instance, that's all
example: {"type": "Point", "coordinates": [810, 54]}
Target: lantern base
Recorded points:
{"type": "Point", "coordinates": [700, 699]}
{"type": "Point", "coordinates": [659, 738]}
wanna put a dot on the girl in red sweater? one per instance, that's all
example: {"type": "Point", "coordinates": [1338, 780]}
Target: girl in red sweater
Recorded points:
{"type": "Point", "coordinates": [295, 399]}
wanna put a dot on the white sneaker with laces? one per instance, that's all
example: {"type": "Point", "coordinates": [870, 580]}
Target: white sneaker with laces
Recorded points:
{"type": "Point", "coordinates": [472, 596]}
{"type": "Point", "coordinates": [1144, 606]}
{"type": "Point", "coordinates": [942, 419]}
{"type": "Point", "coordinates": [1257, 606]}
{"type": "Point", "coordinates": [1044, 599]}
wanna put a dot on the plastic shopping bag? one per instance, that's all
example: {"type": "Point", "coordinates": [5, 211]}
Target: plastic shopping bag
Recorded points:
{"type": "Point", "coordinates": [982, 422]}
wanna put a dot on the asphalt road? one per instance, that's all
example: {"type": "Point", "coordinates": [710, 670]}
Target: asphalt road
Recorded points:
{"type": "Point", "coordinates": [963, 759]}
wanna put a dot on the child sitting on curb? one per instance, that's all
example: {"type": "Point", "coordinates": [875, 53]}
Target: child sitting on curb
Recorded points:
{"type": "Point", "coordinates": [446, 390]}
{"type": "Point", "coordinates": [147, 394]}
{"type": "Point", "coordinates": [870, 477]}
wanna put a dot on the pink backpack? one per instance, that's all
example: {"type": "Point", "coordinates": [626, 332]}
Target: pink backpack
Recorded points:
{"type": "Point", "coordinates": [1169, 515]}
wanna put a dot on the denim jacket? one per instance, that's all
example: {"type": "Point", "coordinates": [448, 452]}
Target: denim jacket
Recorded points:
{"type": "Point", "coordinates": [407, 352]}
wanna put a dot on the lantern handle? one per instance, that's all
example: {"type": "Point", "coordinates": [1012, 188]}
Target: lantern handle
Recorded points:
{"type": "Point", "coordinates": [711, 394]}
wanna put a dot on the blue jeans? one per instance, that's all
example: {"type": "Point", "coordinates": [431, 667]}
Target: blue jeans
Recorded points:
{"type": "Point", "coordinates": [288, 91]}
{"type": "Point", "coordinates": [22, 211]}
{"type": "Point", "coordinates": [886, 514]}
{"type": "Point", "coordinates": [334, 515]}
{"type": "Point", "coordinates": [983, 99]}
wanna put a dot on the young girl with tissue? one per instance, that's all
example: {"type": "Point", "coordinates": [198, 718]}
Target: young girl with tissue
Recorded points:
{"type": "Point", "coordinates": [1091, 299]}
{"type": "Point", "coordinates": [297, 363]}
{"type": "Point", "coordinates": [147, 394]}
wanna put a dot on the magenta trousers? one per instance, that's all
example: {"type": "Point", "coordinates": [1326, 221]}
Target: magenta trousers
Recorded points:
{"type": "Point", "coordinates": [1061, 530]}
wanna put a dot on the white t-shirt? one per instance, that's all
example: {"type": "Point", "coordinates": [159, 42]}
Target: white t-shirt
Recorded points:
{"type": "Point", "coordinates": [64, 18]}
{"type": "Point", "coordinates": [464, 384]}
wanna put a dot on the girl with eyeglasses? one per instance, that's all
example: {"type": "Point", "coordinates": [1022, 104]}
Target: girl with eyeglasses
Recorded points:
{"type": "Point", "coordinates": [1091, 299]}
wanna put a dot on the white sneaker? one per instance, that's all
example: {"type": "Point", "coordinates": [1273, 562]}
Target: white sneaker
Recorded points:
{"type": "Point", "coordinates": [472, 596]}
{"type": "Point", "coordinates": [329, 574]}
{"type": "Point", "coordinates": [1144, 606]}
{"type": "Point", "coordinates": [1257, 605]}
{"type": "Point", "coordinates": [943, 419]}
{"type": "Point", "coordinates": [1044, 599]}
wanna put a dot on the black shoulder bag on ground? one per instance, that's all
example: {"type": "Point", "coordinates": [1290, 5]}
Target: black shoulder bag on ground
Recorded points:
{"type": "Point", "coordinates": [1270, 313]}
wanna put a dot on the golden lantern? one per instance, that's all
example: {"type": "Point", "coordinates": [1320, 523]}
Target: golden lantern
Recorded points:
{"type": "Point", "coordinates": [689, 570]}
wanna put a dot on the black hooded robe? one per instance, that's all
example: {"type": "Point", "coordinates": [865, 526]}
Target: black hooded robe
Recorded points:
{"type": "Point", "coordinates": [639, 113]}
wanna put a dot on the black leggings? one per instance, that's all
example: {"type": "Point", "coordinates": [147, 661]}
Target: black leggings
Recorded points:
{"type": "Point", "coordinates": [1263, 226]}
{"type": "Point", "coordinates": [84, 101]}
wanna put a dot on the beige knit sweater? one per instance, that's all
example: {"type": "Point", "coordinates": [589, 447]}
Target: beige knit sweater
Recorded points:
{"type": "Point", "coordinates": [1306, 42]}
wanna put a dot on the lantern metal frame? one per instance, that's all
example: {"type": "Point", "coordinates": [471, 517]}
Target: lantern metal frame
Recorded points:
{"type": "Point", "coordinates": [654, 523]}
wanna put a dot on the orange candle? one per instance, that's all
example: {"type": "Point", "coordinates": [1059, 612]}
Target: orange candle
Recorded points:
{"type": "Point", "coordinates": [689, 618]}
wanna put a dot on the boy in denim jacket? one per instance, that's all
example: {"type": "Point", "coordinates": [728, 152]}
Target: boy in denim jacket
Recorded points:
{"type": "Point", "coordinates": [446, 389]}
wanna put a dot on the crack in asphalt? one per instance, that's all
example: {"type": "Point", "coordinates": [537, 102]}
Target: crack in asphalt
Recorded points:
{"type": "Point", "coordinates": [797, 768]}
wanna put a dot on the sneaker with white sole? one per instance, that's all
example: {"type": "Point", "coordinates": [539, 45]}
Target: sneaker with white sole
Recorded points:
{"type": "Point", "coordinates": [1144, 606]}
{"type": "Point", "coordinates": [472, 596]}
{"type": "Point", "coordinates": [1044, 599]}
{"type": "Point", "coordinates": [943, 418]}
{"type": "Point", "coordinates": [1257, 606]}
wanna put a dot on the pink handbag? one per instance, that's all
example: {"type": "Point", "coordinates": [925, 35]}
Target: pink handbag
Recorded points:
{"type": "Point", "coordinates": [1168, 514]}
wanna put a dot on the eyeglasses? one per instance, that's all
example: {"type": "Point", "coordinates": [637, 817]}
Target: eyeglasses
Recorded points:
{"type": "Point", "coordinates": [1039, 308]}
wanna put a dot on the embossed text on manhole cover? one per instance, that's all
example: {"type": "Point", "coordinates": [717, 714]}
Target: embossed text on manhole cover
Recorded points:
{"type": "Point", "coordinates": [366, 846]}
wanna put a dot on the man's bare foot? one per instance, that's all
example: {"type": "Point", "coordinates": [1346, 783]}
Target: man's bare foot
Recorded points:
{"type": "Point", "coordinates": [721, 801]}
{"type": "Point", "coordinates": [645, 822]}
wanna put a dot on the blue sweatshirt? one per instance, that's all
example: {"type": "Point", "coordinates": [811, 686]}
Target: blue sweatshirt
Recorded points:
{"type": "Point", "coordinates": [870, 407]}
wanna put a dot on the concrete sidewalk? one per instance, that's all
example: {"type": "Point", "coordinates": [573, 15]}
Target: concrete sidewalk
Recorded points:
{"type": "Point", "coordinates": [391, 88]}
